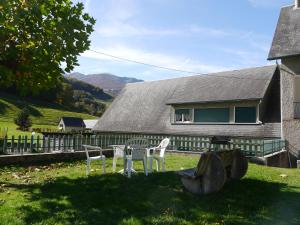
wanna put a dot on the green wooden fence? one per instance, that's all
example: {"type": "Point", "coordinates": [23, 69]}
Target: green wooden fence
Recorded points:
{"type": "Point", "coordinates": [64, 143]}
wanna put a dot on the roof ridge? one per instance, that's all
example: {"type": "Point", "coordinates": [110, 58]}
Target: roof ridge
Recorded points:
{"type": "Point", "coordinates": [213, 75]}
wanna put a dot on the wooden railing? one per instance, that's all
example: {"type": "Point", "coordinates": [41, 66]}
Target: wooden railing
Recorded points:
{"type": "Point", "coordinates": [64, 143]}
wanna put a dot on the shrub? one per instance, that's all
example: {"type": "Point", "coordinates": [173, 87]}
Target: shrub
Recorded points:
{"type": "Point", "coordinates": [23, 119]}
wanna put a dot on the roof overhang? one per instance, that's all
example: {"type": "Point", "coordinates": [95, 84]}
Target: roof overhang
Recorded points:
{"type": "Point", "coordinates": [214, 101]}
{"type": "Point", "coordinates": [284, 56]}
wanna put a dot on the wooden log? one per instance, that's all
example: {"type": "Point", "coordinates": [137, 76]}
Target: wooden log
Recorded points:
{"type": "Point", "coordinates": [239, 165]}
{"type": "Point", "coordinates": [235, 163]}
{"type": "Point", "coordinates": [214, 177]}
{"type": "Point", "coordinates": [208, 177]}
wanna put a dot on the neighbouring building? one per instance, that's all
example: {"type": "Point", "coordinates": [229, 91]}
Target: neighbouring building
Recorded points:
{"type": "Point", "coordinates": [259, 102]}
{"type": "Point", "coordinates": [286, 47]}
{"type": "Point", "coordinates": [71, 124]}
{"type": "Point", "coordinates": [89, 124]}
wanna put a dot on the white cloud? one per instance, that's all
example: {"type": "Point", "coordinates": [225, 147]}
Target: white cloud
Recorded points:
{"type": "Point", "coordinates": [119, 29]}
{"type": "Point", "coordinates": [120, 10]}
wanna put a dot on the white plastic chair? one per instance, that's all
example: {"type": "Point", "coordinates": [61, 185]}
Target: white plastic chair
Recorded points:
{"type": "Point", "coordinates": [118, 153]}
{"type": "Point", "coordinates": [135, 150]}
{"type": "Point", "coordinates": [89, 159]}
{"type": "Point", "coordinates": [160, 159]}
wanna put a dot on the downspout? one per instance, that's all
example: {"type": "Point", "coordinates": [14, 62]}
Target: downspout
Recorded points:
{"type": "Point", "coordinates": [281, 100]}
{"type": "Point", "coordinates": [258, 121]}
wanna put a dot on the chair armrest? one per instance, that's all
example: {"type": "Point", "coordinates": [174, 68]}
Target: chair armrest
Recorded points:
{"type": "Point", "coordinates": [153, 149]}
{"type": "Point", "coordinates": [91, 147]}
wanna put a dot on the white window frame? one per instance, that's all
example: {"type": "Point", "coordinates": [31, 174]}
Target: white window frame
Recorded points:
{"type": "Point", "coordinates": [232, 117]}
{"type": "Point", "coordinates": [182, 115]}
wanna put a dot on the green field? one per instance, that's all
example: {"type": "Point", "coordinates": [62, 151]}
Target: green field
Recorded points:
{"type": "Point", "coordinates": [62, 194]}
{"type": "Point", "coordinates": [43, 114]}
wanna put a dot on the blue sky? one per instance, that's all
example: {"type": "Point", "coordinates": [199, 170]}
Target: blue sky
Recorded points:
{"type": "Point", "coordinates": [202, 36]}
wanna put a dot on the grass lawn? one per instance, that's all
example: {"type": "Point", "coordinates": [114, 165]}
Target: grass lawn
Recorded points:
{"type": "Point", "coordinates": [43, 114]}
{"type": "Point", "coordinates": [62, 194]}
{"type": "Point", "coordinates": [12, 128]}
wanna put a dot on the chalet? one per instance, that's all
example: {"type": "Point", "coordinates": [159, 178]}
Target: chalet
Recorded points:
{"type": "Point", "coordinates": [235, 103]}
{"type": "Point", "coordinates": [259, 102]}
{"type": "Point", "coordinates": [71, 124]}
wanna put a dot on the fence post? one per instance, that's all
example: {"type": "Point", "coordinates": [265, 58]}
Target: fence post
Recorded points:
{"type": "Point", "coordinates": [37, 143]}
{"type": "Point", "coordinates": [25, 143]}
{"type": "Point", "coordinates": [31, 143]}
{"type": "Point", "coordinates": [44, 143]}
{"type": "Point", "coordinates": [12, 145]}
{"type": "Point", "coordinates": [64, 141]}
{"type": "Point", "coordinates": [48, 143]}
{"type": "Point", "coordinates": [59, 142]}
{"type": "Point", "coordinates": [54, 143]}
{"type": "Point", "coordinates": [19, 145]}
{"type": "Point", "coordinates": [4, 150]}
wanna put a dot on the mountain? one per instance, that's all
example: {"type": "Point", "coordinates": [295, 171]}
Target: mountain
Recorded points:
{"type": "Point", "coordinates": [75, 75]}
{"type": "Point", "coordinates": [92, 90]}
{"type": "Point", "coordinates": [108, 82]}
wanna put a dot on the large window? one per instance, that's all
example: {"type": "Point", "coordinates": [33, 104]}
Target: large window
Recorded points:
{"type": "Point", "coordinates": [211, 115]}
{"type": "Point", "coordinates": [183, 115]}
{"type": "Point", "coordinates": [245, 114]}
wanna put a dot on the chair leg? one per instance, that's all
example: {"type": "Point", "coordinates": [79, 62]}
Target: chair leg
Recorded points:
{"type": "Point", "coordinates": [163, 165]}
{"type": "Point", "coordinates": [129, 166]}
{"type": "Point", "coordinates": [88, 167]}
{"type": "Point", "coordinates": [114, 163]}
{"type": "Point", "coordinates": [158, 163]}
{"type": "Point", "coordinates": [151, 164]}
{"type": "Point", "coordinates": [157, 166]}
{"type": "Point", "coordinates": [145, 167]}
{"type": "Point", "coordinates": [103, 165]}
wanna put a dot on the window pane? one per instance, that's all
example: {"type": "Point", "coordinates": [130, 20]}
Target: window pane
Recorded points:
{"type": "Point", "coordinates": [245, 114]}
{"type": "Point", "coordinates": [183, 115]}
{"type": "Point", "coordinates": [211, 115]}
{"type": "Point", "coordinates": [178, 117]}
{"type": "Point", "coordinates": [182, 111]}
{"type": "Point", "coordinates": [187, 117]}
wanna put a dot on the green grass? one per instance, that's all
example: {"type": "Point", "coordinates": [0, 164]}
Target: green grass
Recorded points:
{"type": "Point", "coordinates": [43, 114]}
{"type": "Point", "coordinates": [62, 194]}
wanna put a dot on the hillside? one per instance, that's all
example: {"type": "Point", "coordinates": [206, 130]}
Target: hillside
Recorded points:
{"type": "Point", "coordinates": [108, 82]}
{"type": "Point", "coordinates": [96, 92]}
{"type": "Point", "coordinates": [43, 114]}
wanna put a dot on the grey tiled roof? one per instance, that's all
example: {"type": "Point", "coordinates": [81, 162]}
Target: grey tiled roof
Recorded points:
{"type": "Point", "coordinates": [73, 121]}
{"type": "Point", "coordinates": [143, 107]}
{"type": "Point", "coordinates": [286, 40]}
{"type": "Point", "coordinates": [246, 84]}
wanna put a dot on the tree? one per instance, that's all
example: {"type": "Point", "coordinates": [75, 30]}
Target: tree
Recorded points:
{"type": "Point", "coordinates": [23, 119]}
{"type": "Point", "coordinates": [38, 38]}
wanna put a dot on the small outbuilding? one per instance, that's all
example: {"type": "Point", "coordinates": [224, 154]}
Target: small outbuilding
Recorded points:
{"type": "Point", "coordinates": [71, 124]}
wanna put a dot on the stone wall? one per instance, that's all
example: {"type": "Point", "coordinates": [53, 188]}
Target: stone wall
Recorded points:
{"type": "Point", "coordinates": [46, 158]}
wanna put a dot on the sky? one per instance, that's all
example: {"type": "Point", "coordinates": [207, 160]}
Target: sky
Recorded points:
{"type": "Point", "coordinates": [201, 36]}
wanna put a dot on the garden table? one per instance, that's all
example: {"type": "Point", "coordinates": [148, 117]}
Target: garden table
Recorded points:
{"type": "Point", "coordinates": [119, 151]}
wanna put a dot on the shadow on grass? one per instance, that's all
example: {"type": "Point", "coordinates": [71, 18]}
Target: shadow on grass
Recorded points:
{"type": "Point", "coordinates": [18, 103]}
{"type": "Point", "coordinates": [3, 107]}
{"type": "Point", "coordinates": [157, 199]}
